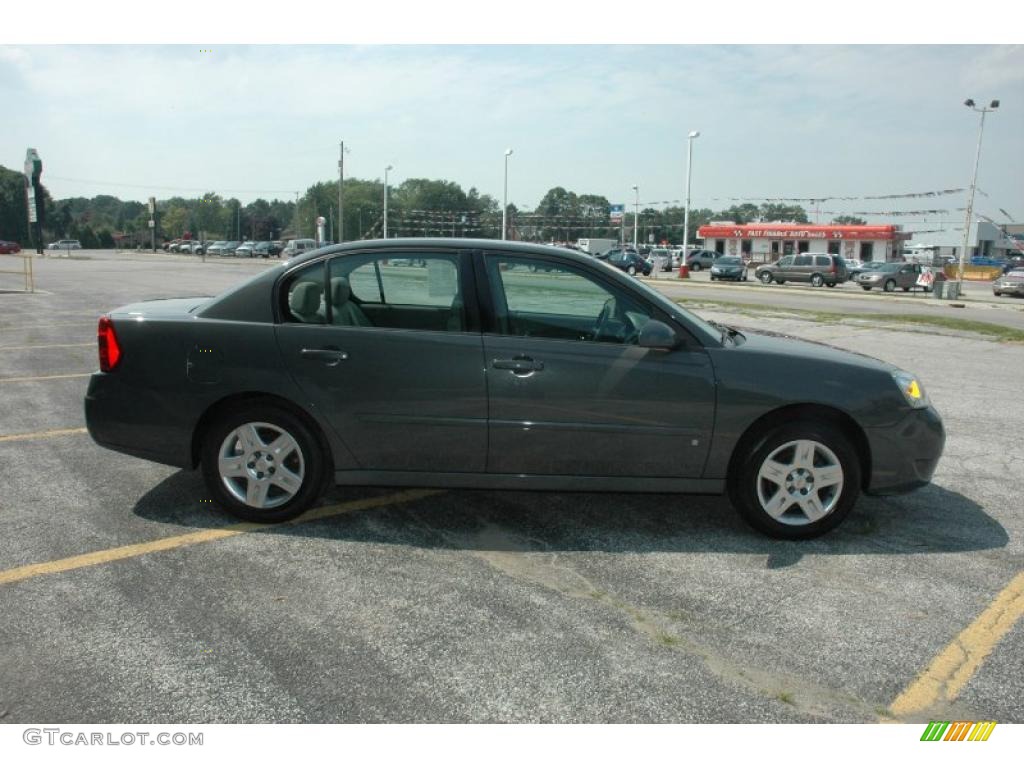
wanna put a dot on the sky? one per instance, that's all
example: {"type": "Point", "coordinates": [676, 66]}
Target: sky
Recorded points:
{"type": "Point", "coordinates": [774, 121]}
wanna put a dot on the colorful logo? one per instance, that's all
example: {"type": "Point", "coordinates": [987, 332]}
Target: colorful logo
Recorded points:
{"type": "Point", "coordinates": [960, 730]}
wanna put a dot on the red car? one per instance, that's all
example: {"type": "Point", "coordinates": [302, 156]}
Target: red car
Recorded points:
{"type": "Point", "coordinates": [6, 246]}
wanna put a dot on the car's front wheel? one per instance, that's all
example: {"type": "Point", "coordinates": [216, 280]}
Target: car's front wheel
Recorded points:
{"type": "Point", "coordinates": [631, 270]}
{"type": "Point", "coordinates": [262, 463]}
{"type": "Point", "coordinates": [797, 480]}
{"type": "Point", "coordinates": [766, 278]}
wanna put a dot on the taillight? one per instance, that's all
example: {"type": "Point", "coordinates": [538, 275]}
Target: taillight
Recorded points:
{"type": "Point", "coordinates": [110, 350]}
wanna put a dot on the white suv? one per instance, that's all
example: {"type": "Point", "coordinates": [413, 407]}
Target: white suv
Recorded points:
{"type": "Point", "coordinates": [65, 245]}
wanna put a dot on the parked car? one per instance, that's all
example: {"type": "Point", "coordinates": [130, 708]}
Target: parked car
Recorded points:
{"type": "Point", "coordinates": [245, 249]}
{"type": "Point", "coordinates": [8, 246]}
{"type": "Point", "coordinates": [168, 243]}
{"type": "Point", "coordinates": [65, 245]}
{"type": "Point", "coordinates": [628, 261]}
{"type": "Point", "coordinates": [1014, 262]}
{"type": "Point", "coordinates": [297, 247]}
{"type": "Point", "coordinates": [818, 269]}
{"type": "Point", "coordinates": [699, 260]}
{"type": "Point", "coordinates": [893, 275]}
{"type": "Point", "coordinates": [265, 249]}
{"type": "Point", "coordinates": [295, 379]}
{"type": "Point", "coordinates": [197, 248]}
{"type": "Point", "coordinates": [855, 267]}
{"type": "Point", "coordinates": [216, 247]}
{"type": "Point", "coordinates": [1011, 284]}
{"type": "Point", "coordinates": [665, 258]}
{"type": "Point", "coordinates": [228, 249]}
{"type": "Point", "coordinates": [729, 268]}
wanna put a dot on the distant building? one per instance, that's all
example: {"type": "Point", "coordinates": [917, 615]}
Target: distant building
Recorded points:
{"type": "Point", "coordinates": [768, 241]}
{"type": "Point", "coordinates": [987, 240]}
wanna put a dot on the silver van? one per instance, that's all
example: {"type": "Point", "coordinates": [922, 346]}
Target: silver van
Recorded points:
{"type": "Point", "coordinates": [294, 248]}
{"type": "Point", "coordinates": [815, 268]}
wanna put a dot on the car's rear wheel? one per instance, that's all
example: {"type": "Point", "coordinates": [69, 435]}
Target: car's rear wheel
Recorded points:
{"type": "Point", "coordinates": [797, 481]}
{"type": "Point", "coordinates": [262, 463]}
{"type": "Point", "coordinates": [817, 280]}
{"type": "Point", "coordinates": [696, 267]}
{"type": "Point", "coordinates": [890, 286]}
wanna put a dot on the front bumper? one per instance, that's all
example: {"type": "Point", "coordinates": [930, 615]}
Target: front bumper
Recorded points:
{"type": "Point", "coordinates": [904, 456]}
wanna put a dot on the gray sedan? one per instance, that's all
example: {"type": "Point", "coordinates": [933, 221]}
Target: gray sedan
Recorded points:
{"type": "Point", "coordinates": [504, 366]}
{"type": "Point", "coordinates": [1010, 284]}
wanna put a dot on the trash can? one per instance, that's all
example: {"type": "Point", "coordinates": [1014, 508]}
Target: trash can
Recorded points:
{"type": "Point", "coordinates": [684, 270]}
{"type": "Point", "coordinates": [947, 289]}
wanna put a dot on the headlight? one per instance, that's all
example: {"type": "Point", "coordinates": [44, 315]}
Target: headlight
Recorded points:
{"type": "Point", "coordinates": [911, 389]}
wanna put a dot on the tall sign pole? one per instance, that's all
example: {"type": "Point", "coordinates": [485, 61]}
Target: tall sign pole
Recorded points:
{"type": "Point", "coordinates": [34, 197]}
{"type": "Point", "coordinates": [152, 223]}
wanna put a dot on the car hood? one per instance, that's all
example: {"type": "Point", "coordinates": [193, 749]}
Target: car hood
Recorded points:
{"type": "Point", "coordinates": [760, 342]}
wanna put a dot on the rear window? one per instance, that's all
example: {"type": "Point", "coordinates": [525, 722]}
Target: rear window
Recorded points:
{"type": "Point", "coordinates": [822, 261]}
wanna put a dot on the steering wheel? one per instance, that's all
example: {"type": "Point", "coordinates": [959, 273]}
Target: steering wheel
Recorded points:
{"type": "Point", "coordinates": [602, 319]}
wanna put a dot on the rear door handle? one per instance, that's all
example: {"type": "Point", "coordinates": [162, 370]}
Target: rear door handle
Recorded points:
{"type": "Point", "coordinates": [519, 365]}
{"type": "Point", "coordinates": [330, 355]}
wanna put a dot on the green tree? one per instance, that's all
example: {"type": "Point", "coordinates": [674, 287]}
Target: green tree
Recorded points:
{"type": "Point", "coordinates": [851, 220]}
{"type": "Point", "coordinates": [788, 213]}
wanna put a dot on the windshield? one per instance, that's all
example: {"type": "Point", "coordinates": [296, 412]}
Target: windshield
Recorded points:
{"type": "Point", "coordinates": [893, 267]}
{"type": "Point", "coordinates": [729, 260]}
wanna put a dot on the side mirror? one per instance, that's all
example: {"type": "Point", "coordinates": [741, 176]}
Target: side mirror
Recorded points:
{"type": "Point", "coordinates": [656, 335]}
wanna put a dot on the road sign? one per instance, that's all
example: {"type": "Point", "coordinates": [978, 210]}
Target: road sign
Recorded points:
{"type": "Point", "coordinates": [152, 223]}
{"type": "Point", "coordinates": [616, 211]}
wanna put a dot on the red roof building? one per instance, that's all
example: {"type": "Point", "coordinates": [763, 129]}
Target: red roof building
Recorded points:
{"type": "Point", "coordinates": [769, 241]}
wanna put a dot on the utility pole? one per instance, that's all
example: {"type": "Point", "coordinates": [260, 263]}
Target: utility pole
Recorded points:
{"type": "Point", "coordinates": [341, 198]}
{"type": "Point", "coordinates": [974, 183]}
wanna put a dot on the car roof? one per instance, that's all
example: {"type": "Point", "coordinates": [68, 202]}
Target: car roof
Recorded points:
{"type": "Point", "coordinates": [459, 243]}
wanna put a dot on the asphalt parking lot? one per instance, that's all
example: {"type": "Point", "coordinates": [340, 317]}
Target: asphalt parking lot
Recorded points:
{"type": "Point", "coordinates": [128, 598]}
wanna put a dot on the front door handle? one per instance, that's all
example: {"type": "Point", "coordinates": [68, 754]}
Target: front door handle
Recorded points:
{"type": "Point", "coordinates": [520, 366]}
{"type": "Point", "coordinates": [330, 355]}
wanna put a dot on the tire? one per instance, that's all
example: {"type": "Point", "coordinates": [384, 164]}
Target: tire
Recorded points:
{"type": "Point", "coordinates": [866, 287]}
{"type": "Point", "coordinates": [906, 290]}
{"type": "Point", "coordinates": [780, 280]}
{"type": "Point", "coordinates": [744, 278]}
{"type": "Point", "coordinates": [766, 278]}
{"type": "Point", "coordinates": [996, 293]}
{"type": "Point", "coordinates": [631, 270]}
{"type": "Point", "coordinates": [696, 267]}
{"type": "Point", "coordinates": [890, 286]}
{"type": "Point", "coordinates": [303, 460]}
{"type": "Point", "coordinates": [817, 280]}
{"type": "Point", "coordinates": [752, 492]}
{"type": "Point", "coordinates": [830, 285]}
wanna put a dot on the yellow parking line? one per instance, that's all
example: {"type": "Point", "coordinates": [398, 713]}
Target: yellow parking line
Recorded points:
{"type": "Point", "coordinates": [48, 346]}
{"type": "Point", "coordinates": [41, 435]}
{"type": "Point", "coordinates": [214, 534]}
{"type": "Point", "coordinates": [951, 670]}
{"type": "Point", "coordinates": [45, 378]}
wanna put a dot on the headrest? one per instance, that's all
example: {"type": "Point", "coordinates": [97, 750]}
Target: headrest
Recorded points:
{"type": "Point", "coordinates": [305, 299]}
{"type": "Point", "coordinates": [340, 291]}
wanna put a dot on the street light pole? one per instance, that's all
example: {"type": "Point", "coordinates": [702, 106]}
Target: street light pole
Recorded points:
{"type": "Point", "coordinates": [686, 215]}
{"type": "Point", "coordinates": [504, 200]}
{"type": "Point", "coordinates": [636, 218]}
{"type": "Point", "coordinates": [974, 182]}
{"type": "Point", "coordinates": [341, 199]}
{"type": "Point", "coordinates": [390, 167]}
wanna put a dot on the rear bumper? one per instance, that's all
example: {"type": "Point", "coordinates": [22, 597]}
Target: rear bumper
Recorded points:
{"type": "Point", "coordinates": [136, 421]}
{"type": "Point", "coordinates": [904, 456]}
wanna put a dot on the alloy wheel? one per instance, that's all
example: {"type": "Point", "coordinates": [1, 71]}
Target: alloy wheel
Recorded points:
{"type": "Point", "coordinates": [261, 465]}
{"type": "Point", "coordinates": [800, 482]}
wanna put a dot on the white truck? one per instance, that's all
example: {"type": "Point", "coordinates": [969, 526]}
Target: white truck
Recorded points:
{"type": "Point", "coordinates": [596, 246]}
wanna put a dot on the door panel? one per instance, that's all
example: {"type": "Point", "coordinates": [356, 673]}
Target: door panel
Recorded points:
{"type": "Point", "coordinates": [598, 409]}
{"type": "Point", "coordinates": [570, 393]}
{"type": "Point", "coordinates": [400, 400]}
